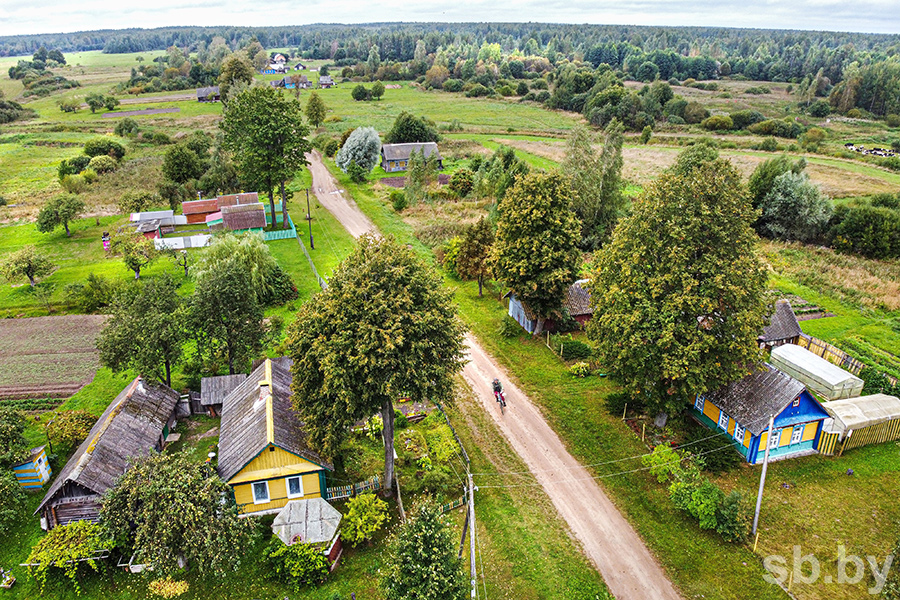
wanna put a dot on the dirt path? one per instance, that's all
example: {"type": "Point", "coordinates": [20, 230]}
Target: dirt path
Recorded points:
{"type": "Point", "coordinates": [335, 199]}
{"type": "Point", "coordinates": [609, 541]}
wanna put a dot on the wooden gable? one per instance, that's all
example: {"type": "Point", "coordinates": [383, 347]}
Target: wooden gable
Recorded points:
{"type": "Point", "coordinates": [273, 462]}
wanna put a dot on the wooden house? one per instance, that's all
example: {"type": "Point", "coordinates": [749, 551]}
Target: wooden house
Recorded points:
{"type": "Point", "coordinates": [34, 472]}
{"type": "Point", "coordinates": [263, 451]}
{"type": "Point", "coordinates": [299, 66]}
{"type": "Point", "coordinates": [783, 327]}
{"type": "Point", "coordinates": [244, 217]}
{"type": "Point", "coordinates": [325, 81]}
{"type": "Point", "coordinates": [214, 389]}
{"type": "Point", "coordinates": [208, 94]}
{"type": "Point", "coordinates": [577, 303]}
{"type": "Point", "coordinates": [136, 422]}
{"type": "Point", "coordinates": [742, 410]}
{"type": "Point", "coordinates": [825, 379]}
{"type": "Point", "coordinates": [395, 157]}
{"type": "Point", "coordinates": [196, 211]}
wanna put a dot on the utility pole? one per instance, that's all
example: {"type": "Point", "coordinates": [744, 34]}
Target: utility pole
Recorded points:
{"type": "Point", "coordinates": [312, 245]}
{"type": "Point", "coordinates": [762, 477]}
{"type": "Point", "coordinates": [472, 533]}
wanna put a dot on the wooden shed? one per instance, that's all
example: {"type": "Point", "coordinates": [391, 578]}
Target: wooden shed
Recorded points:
{"type": "Point", "coordinates": [213, 391]}
{"type": "Point", "coordinates": [208, 94]}
{"type": "Point", "coordinates": [577, 303]}
{"type": "Point", "coordinates": [34, 472]}
{"type": "Point", "coordinates": [825, 379]}
{"type": "Point", "coordinates": [783, 327]}
{"type": "Point", "coordinates": [743, 408]}
{"type": "Point", "coordinates": [136, 422]}
{"type": "Point", "coordinates": [244, 217]}
{"type": "Point", "coordinates": [196, 211]}
{"type": "Point", "coordinates": [263, 451]}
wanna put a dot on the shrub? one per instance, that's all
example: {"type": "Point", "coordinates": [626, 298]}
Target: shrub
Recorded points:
{"type": "Point", "coordinates": [74, 184]}
{"type": "Point", "coordinates": [616, 404]}
{"type": "Point", "coordinates": [366, 514]}
{"type": "Point", "coordinates": [757, 90]}
{"type": "Point", "coordinates": [580, 369]}
{"type": "Point", "coordinates": [770, 144]}
{"type": "Point", "coordinates": [400, 420]}
{"type": "Point", "coordinates": [73, 166]}
{"type": "Point", "coordinates": [478, 91]}
{"type": "Point", "coordinates": [873, 232]}
{"type": "Point", "coordinates": [126, 127]}
{"type": "Point", "coordinates": [89, 175]}
{"type": "Point", "coordinates": [12, 500]}
{"type": "Point", "coordinates": [819, 108]}
{"type": "Point", "coordinates": [663, 463]}
{"type": "Point", "coordinates": [694, 112]}
{"type": "Point", "coordinates": [103, 164]}
{"type": "Point", "coordinates": [569, 348]}
{"type": "Point", "coordinates": [331, 147]}
{"type": "Point", "coordinates": [717, 123]}
{"type": "Point", "coordinates": [398, 200]}
{"type": "Point", "coordinates": [67, 547]}
{"type": "Point", "coordinates": [777, 128]}
{"type": "Point", "coordinates": [159, 138]}
{"type": "Point", "coordinates": [893, 120]}
{"type": "Point", "coordinates": [509, 327]}
{"type": "Point", "coordinates": [453, 85]}
{"type": "Point", "coordinates": [168, 587]}
{"type": "Point", "coordinates": [745, 118]}
{"type": "Point", "coordinates": [675, 120]}
{"type": "Point", "coordinates": [854, 113]}
{"type": "Point", "coordinates": [299, 564]}
{"type": "Point", "coordinates": [451, 251]}
{"type": "Point", "coordinates": [137, 201]}
{"type": "Point", "coordinates": [91, 296]}
{"type": "Point", "coordinates": [462, 181]}
{"type": "Point", "coordinates": [104, 146]}
{"type": "Point", "coordinates": [699, 497]}
{"type": "Point", "coordinates": [717, 451]}
{"type": "Point", "coordinates": [542, 96]}
{"type": "Point", "coordinates": [646, 134]}
{"type": "Point", "coordinates": [733, 518]}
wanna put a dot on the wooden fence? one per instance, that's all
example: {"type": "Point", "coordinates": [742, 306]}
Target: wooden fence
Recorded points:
{"type": "Point", "coordinates": [346, 491]}
{"type": "Point", "coordinates": [874, 434]}
{"type": "Point", "coordinates": [832, 354]}
{"type": "Point", "coordinates": [455, 504]}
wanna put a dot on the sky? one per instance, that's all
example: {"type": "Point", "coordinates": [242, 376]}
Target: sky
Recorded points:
{"type": "Point", "coordinates": [19, 17]}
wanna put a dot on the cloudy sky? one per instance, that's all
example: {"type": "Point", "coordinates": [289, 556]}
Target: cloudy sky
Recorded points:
{"type": "Point", "coordinates": [46, 16]}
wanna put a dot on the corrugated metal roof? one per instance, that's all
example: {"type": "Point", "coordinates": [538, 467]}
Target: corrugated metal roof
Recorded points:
{"type": "Point", "coordinates": [197, 207]}
{"type": "Point", "coordinates": [403, 151]}
{"type": "Point", "coordinates": [753, 400]}
{"type": "Point", "coordinates": [865, 411]}
{"type": "Point", "coordinates": [130, 426]}
{"type": "Point", "coordinates": [246, 429]}
{"type": "Point", "coordinates": [782, 325]}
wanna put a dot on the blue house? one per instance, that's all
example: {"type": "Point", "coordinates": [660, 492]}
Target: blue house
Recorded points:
{"type": "Point", "coordinates": [742, 409]}
{"type": "Point", "coordinates": [34, 472]}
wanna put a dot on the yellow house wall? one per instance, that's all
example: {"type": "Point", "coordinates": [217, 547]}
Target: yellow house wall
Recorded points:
{"type": "Point", "coordinates": [271, 464]}
{"type": "Point", "coordinates": [711, 411]}
{"type": "Point", "coordinates": [730, 426]}
{"type": "Point", "coordinates": [275, 466]}
{"type": "Point", "coordinates": [243, 493]}
{"type": "Point", "coordinates": [747, 438]}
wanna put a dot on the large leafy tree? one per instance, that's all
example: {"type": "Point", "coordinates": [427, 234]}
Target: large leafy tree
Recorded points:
{"type": "Point", "coordinates": [385, 327]}
{"type": "Point", "coordinates": [315, 109]}
{"type": "Point", "coordinates": [536, 251]}
{"type": "Point", "coordinates": [410, 128]}
{"type": "Point", "coordinates": [226, 314]}
{"type": "Point", "coordinates": [69, 428]}
{"type": "Point", "coordinates": [472, 261]}
{"type": "Point", "coordinates": [794, 210]}
{"type": "Point", "coordinates": [26, 262]}
{"type": "Point", "coordinates": [136, 251]}
{"type": "Point", "coordinates": [146, 330]}
{"type": "Point", "coordinates": [678, 292]}
{"type": "Point", "coordinates": [363, 147]}
{"type": "Point", "coordinates": [12, 500]}
{"type": "Point", "coordinates": [168, 506]}
{"type": "Point", "coordinates": [59, 210]}
{"type": "Point", "coordinates": [264, 130]}
{"type": "Point", "coordinates": [424, 564]}
{"type": "Point", "coordinates": [237, 71]}
{"type": "Point", "coordinates": [596, 181]}
{"type": "Point", "coordinates": [13, 446]}
{"type": "Point", "coordinates": [762, 180]}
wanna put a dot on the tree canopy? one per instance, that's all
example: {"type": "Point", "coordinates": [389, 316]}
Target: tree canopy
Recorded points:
{"type": "Point", "coordinates": [236, 69]}
{"type": "Point", "coordinates": [139, 513]}
{"type": "Point", "coordinates": [385, 327]}
{"type": "Point", "coordinates": [13, 446]}
{"type": "Point", "coordinates": [794, 210]}
{"type": "Point", "coordinates": [146, 330]}
{"type": "Point", "coordinates": [136, 251]}
{"type": "Point", "coordinates": [264, 130]}
{"type": "Point", "coordinates": [678, 292]}
{"type": "Point", "coordinates": [536, 252]}
{"type": "Point", "coordinates": [315, 109]}
{"type": "Point", "coordinates": [59, 210]}
{"type": "Point", "coordinates": [424, 564]}
{"type": "Point", "coordinates": [473, 258]}
{"type": "Point", "coordinates": [26, 262]}
{"type": "Point", "coordinates": [363, 148]}
{"type": "Point", "coordinates": [410, 128]}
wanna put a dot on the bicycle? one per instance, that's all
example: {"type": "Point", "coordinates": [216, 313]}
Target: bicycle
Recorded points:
{"type": "Point", "coordinates": [498, 395]}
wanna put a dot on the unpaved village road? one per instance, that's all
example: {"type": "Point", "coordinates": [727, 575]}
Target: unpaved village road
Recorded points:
{"type": "Point", "coordinates": [609, 541]}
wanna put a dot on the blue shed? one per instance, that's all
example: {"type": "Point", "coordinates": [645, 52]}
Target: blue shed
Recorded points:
{"type": "Point", "coordinates": [35, 472]}
{"type": "Point", "coordinates": [742, 409]}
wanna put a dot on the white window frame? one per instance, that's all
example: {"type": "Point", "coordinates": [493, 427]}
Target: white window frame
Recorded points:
{"type": "Point", "coordinates": [287, 486]}
{"type": "Point", "coordinates": [722, 416]}
{"type": "Point", "coordinates": [774, 439]}
{"type": "Point", "coordinates": [699, 402]}
{"type": "Point", "coordinates": [797, 434]}
{"type": "Point", "coordinates": [253, 492]}
{"type": "Point", "coordinates": [738, 433]}
{"type": "Point", "coordinates": [796, 402]}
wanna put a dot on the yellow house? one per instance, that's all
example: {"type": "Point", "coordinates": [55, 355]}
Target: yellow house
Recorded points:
{"type": "Point", "coordinates": [263, 450]}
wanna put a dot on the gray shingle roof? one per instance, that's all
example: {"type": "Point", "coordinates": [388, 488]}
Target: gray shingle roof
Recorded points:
{"type": "Point", "coordinates": [403, 151]}
{"type": "Point", "coordinates": [751, 401]}
{"type": "Point", "coordinates": [214, 389]}
{"type": "Point", "coordinates": [578, 299]}
{"type": "Point", "coordinates": [244, 429]}
{"type": "Point", "coordinates": [782, 325]}
{"type": "Point", "coordinates": [130, 427]}
{"type": "Point", "coordinates": [208, 91]}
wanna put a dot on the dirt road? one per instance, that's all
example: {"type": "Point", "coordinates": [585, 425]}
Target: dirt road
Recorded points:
{"type": "Point", "coordinates": [333, 198]}
{"type": "Point", "coordinates": [609, 541]}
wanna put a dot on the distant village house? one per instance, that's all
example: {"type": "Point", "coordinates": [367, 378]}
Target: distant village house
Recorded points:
{"type": "Point", "coordinates": [395, 157]}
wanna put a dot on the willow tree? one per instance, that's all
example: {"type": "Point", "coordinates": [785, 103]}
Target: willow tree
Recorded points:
{"type": "Point", "coordinates": [385, 328]}
{"type": "Point", "coordinates": [678, 292]}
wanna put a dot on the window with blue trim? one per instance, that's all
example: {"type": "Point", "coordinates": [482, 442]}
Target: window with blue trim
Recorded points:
{"type": "Point", "coordinates": [738, 433]}
{"type": "Point", "coordinates": [723, 420]}
{"type": "Point", "coordinates": [698, 403]}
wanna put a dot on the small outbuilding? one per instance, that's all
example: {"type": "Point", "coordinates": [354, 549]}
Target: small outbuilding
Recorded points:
{"type": "Point", "coordinates": [312, 521]}
{"type": "Point", "coordinates": [825, 379]}
{"type": "Point", "coordinates": [34, 472]}
{"type": "Point", "coordinates": [395, 157]}
{"type": "Point", "coordinates": [861, 421]}
{"type": "Point", "coordinates": [263, 451]}
{"type": "Point", "coordinates": [743, 409]}
{"type": "Point", "coordinates": [213, 391]}
{"type": "Point", "coordinates": [208, 94]}
{"type": "Point", "coordinates": [137, 421]}
{"type": "Point", "coordinates": [244, 217]}
{"type": "Point", "coordinates": [577, 303]}
{"type": "Point", "coordinates": [783, 327]}
{"type": "Point", "coordinates": [325, 81]}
